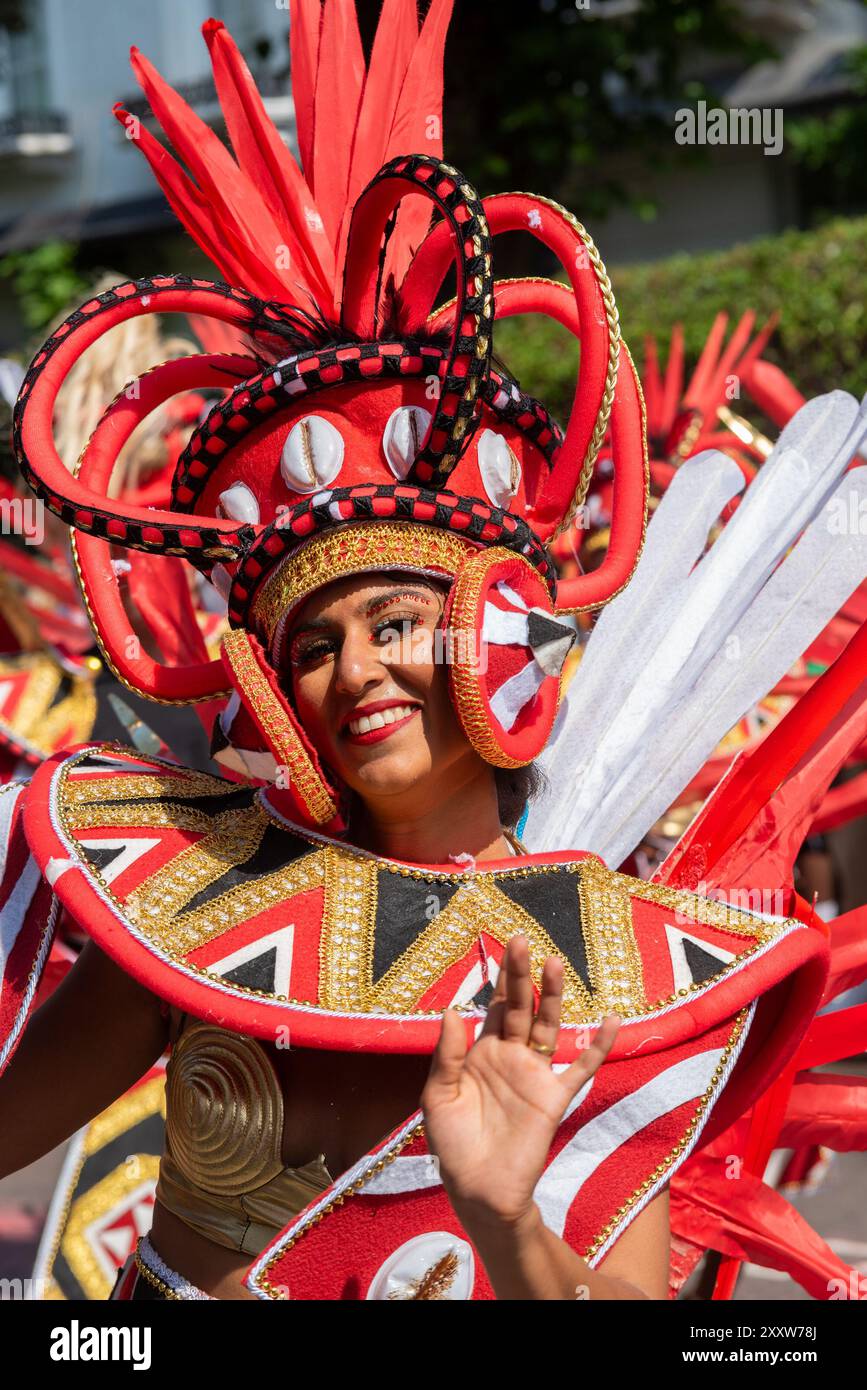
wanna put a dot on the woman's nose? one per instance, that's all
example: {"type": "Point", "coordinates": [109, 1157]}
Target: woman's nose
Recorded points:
{"type": "Point", "coordinates": [358, 663]}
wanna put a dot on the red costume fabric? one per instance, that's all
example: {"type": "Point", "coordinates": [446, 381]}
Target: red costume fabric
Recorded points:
{"type": "Point", "coordinates": [364, 427]}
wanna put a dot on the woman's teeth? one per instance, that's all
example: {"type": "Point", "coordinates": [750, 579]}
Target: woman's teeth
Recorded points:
{"type": "Point", "coordinates": [380, 719]}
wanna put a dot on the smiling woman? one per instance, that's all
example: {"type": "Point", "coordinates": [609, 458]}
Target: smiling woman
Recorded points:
{"type": "Point", "coordinates": [381, 648]}
{"type": "Point", "coordinates": [410, 1060]}
{"type": "Point", "coordinates": [376, 704]}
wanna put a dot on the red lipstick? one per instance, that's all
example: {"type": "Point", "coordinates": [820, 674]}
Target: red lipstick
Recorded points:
{"type": "Point", "coordinates": [375, 735]}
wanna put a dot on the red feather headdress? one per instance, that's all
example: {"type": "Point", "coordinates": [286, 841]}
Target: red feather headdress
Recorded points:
{"type": "Point", "coordinates": [370, 428]}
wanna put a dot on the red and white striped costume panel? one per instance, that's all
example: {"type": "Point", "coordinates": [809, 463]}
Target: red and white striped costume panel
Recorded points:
{"type": "Point", "coordinates": [385, 1229]}
{"type": "Point", "coordinates": [28, 913]}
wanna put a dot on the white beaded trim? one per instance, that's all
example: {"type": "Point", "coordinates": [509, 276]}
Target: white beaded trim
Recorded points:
{"type": "Point", "coordinates": [176, 1282]}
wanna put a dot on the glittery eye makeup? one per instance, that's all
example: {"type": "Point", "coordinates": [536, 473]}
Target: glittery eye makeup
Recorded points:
{"type": "Point", "coordinates": [399, 624]}
{"type": "Point", "coordinates": [378, 604]}
{"type": "Point", "coordinates": [302, 652]}
{"type": "Point", "coordinates": [307, 647]}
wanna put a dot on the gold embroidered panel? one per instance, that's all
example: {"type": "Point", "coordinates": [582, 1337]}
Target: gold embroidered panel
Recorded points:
{"type": "Point", "coordinates": [386, 934]}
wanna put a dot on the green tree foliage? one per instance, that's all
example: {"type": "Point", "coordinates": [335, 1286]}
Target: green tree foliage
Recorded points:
{"type": "Point", "coordinates": [829, 147]}
{"type": "Point", "coordinates": [812, 278]}
{"type": "Point", "coordinates": [44, 280]}
{"type": "Point", "coordinates": [540, 92]}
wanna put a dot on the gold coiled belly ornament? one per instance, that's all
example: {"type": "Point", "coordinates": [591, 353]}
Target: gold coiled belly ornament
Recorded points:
{"type": "Point", "coordinates": [224, 1111]}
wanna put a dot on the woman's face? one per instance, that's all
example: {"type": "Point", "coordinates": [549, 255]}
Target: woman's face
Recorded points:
{"type": "Point", "coordinates": [370, 685]}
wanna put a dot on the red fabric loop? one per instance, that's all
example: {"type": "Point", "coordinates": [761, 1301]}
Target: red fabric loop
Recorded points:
{"type": "Point", "coordinates": [469, 356]}
{"type": "Point", "coordinates": [582, 310]}
{"type": "Point", "coordinates": [34, 412]}
{"type": "Point", "coordinates": [193, 682]}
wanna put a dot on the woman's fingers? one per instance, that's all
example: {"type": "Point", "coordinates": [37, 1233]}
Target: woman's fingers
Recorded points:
{"type": "Point", "coordinates": [546, 1025]}
{"type": "Point", "coordinates": [511, 1011]}
{"type": "Point", "coordinates": [449, 1054]}
{"type": "Point", "coordinates": [494, 1019]}
{"type": "Point", "coordinates": [592, 1057]}
{"type": "Point", "coordinates": [518, 1011]}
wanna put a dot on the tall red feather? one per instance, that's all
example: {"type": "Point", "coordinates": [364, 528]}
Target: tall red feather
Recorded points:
{"type": "Point", "coordinates": [188, 202]}
{"type": "Point", "coordinates": [714, 387]}
{"type": "Point", "coordinates": [673, 387]}
{"type": "Point", "coordinates": [238, 209]}
{"type": "Point", "coordinates": [652, 384]}
{"type": "Point", "coordinates": [417, 128]}
{"type": "Point", "coordinates": [270, 226]}
{"type": "Point", "coordinates": [339, 83]}
{"type": "Point", "coordinates": [305, 20]}
{"type": "Point", "coordinates": [262, 154]}
{"type": "Point", "coordinates": [393, 45]}
{"type": "Point", "coordinates": [709, 355]}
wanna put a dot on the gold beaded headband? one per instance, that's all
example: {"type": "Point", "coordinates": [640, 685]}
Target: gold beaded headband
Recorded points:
{"type": "Point", "coordinates": [352, 549]}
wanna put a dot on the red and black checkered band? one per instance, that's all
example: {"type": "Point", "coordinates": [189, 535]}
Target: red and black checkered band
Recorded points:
{"type": "Point", "coordinates": [307, 374]}
{"type": "Point", "coordinates": [270, 324]}
{"type": "Point", "coordinates": [464, 516]}
{"type": "Point", "coordinates": [468, 357]}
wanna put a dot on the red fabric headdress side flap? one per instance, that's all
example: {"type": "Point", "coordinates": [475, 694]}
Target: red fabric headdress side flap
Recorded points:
{"type": "Point", "coordinates": [298, 770]}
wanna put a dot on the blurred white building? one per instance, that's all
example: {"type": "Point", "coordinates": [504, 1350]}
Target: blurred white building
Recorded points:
{"type": "Point", "coordinates": [68, 172]}
{"type": "Point", "coordinates": [66, 168]}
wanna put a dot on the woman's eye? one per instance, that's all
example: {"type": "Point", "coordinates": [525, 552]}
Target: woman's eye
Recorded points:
{"type": "Point", "coordinates": [313, 652]}
{"type": "Point", "coordinates": [397, 625]}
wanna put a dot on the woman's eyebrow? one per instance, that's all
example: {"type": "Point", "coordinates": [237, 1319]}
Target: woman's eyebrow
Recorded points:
{"type": "Point", "coordinates": [305, 627]}
{"type": "Point", "coordinates": [368, 606]}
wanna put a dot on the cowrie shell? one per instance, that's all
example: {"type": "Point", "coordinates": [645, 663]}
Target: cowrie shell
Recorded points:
{"type": "Point", "coordinates": [499, 467]}
{"type": "Point", "coordinates": [239, 504]}
{"type": "Point", "coordinates": [402, 437]}
{"type": "Point", "coordinates": [312, 455]}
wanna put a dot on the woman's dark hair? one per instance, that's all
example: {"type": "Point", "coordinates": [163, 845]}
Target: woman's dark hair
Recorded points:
{"type": "Point", "coordinates": [515, 787]}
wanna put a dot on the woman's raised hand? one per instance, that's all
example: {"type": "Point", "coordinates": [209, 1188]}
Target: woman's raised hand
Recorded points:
{"type": "Point", "coordinates": [491, 1112]}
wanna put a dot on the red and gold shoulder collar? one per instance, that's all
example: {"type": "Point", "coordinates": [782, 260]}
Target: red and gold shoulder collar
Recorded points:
{"type": "Point", "coordinates": [203, 891]}
{"type": "Point", "coordinates": [45, 705]}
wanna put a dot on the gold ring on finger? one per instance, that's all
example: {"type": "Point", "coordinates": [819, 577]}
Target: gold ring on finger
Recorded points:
{"type": "Point", "coordinates": [544, 1048]}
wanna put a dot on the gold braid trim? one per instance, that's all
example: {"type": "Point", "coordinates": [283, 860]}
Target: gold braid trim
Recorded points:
{"type": "Point", "coordinates": [476, 721]}
{"type": "Point", "coordinates": [613, 356]}
{"type": "Point", "coordinates": [684, 1143]}
{"type": "Point", "coordinates": [277, 727]}
{"type": "Point", "coordinates": [350, 549]}
{"type": "Point", "coordinates": [154, 1280]}
{"type": "Point", "coordinates": [264, 1279]}
{"type": "Point", "coordinates": [346, 942]}
{"type": "Point", "coordinates": [589, 607]}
